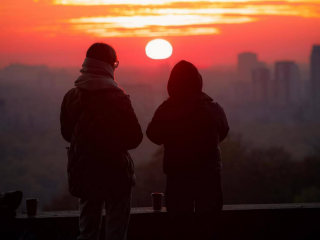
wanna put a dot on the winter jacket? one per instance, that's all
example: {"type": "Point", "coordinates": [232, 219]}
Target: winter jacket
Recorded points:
{"type": "Point", "coordinates": [101, 126]}
{"type": "Point", "coordinates": [190, 126]}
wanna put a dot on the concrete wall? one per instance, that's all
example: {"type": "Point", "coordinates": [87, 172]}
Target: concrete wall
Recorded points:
{"type": "Point", "coordinates": [272, 221]}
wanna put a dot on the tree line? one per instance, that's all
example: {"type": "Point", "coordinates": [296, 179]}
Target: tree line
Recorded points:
{"type": "Point", "coordinates": [250, 175]}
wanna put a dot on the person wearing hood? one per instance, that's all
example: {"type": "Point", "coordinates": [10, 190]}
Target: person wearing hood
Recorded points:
{"type": "Point", "coordinates": [190, 125]}
{"type": "Point", "coordinates": [98, 121]}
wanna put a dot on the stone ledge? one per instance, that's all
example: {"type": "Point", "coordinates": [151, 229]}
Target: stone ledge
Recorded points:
{"type": "Point", "coordinates": [148, 210]}
{"type": "Point", "coordinates": [75, 213]}
{"type": "Point", "coordinates": [258, 221]}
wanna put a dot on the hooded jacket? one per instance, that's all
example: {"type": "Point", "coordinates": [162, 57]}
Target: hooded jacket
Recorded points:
{"type": "Point", "coordinates": [99, 122]}
{"type": "Point", "coordinates": [189, 124]}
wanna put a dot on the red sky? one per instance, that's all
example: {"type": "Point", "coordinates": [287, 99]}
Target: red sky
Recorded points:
{"type": "Point", "coordinates": [58, 32]}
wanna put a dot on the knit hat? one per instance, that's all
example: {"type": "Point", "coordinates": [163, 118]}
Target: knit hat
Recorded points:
{"type": "Point", "coordinates": [102, 52]}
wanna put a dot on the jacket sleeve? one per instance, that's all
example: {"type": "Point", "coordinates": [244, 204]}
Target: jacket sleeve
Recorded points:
{"type": "Point", "coordinates": [65, 124]}
{"type": "Point", "coordinates": [223, 127]}
{"type": "Point", "coordinates": [118, 127]}
{"type": "Point", "coordinates": [158, 127]}
{"type": "Point", "coordinates": [130, 129]}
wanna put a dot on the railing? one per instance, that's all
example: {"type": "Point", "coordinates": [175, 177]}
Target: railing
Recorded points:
{"type": "Point", "coordinates": [258, 222]}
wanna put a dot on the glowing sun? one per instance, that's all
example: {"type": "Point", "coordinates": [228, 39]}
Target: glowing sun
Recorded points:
{"type": "Point", "coordinates": [158, 49]}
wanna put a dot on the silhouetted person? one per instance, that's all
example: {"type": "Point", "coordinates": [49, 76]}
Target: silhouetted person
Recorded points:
{"type": "Point", "coordinates": [190, 125]}
{"type": "Point", "coordinates": [98, 120]}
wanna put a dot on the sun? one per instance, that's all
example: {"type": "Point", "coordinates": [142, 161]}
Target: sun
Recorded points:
{"type": "Point", "coordinates": [158, 49]}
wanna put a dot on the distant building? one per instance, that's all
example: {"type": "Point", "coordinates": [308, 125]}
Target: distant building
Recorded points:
{"type": "Point", "coordinates": [247, 62]}
{"type": "Point", "coordinates": [315, 78]}
{"type": "Point", "coordinates": [241, 93]}
{"type": "Point", "coordinates": [2, 107]}
{"type": "Point", "coordinates": [261, 85]}
{"type": "Point", "coordinates": [287, 83]}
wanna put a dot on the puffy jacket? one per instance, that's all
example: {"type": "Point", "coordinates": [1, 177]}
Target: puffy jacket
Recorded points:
{"type": "Point", "coordinates": [190, 132]}
{"type": "Point", "coordinates": [189, 124]}
{"type": "Point", "coordinates": [101, 126]}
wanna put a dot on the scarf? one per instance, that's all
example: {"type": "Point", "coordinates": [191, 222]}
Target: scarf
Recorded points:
{"type": "Point", "coordinates": [96, 75]}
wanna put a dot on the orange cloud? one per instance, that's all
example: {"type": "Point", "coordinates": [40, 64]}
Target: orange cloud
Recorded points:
{"type": "Point", "coordinates": [123, 18]}
{"type": "Point", "coordinates": [141, 18]}
{"type": "Point", "coordinates": [159, 25]}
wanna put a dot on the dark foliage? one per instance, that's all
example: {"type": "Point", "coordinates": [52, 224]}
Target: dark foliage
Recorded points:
{"type": "Point", "coordinates": [150, 178]}
{"type": "Point", "coordinates": [62, 202]}
{"type": "Point", "coordinates": [250, 176]}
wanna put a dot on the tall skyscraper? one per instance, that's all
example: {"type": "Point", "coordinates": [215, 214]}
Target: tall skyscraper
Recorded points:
{"type": "Point", "coordinates": [241, 93]}
{"type": "Point", "coordinates": [315, 78]}
{"type": "Point", "coordinates": [247, 62]}
{"type": "Point", "coordinates": [261, 83]}
{"type": "Point", "coordinates": [287, 83]}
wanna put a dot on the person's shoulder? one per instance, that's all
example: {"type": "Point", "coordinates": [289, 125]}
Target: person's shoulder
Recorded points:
{"type": "Point", "coordinates": [211, 106]}
{"type": "Point", "coordinates": [165, 105]}
{"type": "Point", "coordinates": [214, 106]}
{"type": "Point", "coordinates": [71, 94]}
{"type": "Point", "coordinates": [112, 97]}
{"type": "Point", "coordinates": [72, 91]}
{"type": "Point", "coordinates": [218, 107]}
{"type": "Point", "coordinates": [109, 93]}
{"type": "Point", "coordinates": [215, 110]}
{"type": "Point", "coordinates": [102, 95]}
{"type": "Point", "coordinates": [206, 100]}
{"type": "Point", "coordinates": [118, 95]}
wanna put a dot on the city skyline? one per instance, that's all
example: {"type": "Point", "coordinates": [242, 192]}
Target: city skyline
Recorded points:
{"type": "Point", "coordinates": [160, 63]}
{"type": "Point", "coordinates": [30, 100]}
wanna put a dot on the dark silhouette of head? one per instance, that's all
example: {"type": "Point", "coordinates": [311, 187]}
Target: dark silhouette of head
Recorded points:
{"type": "Point", "coordinates": [102, 52]}
{"type": "Point", "coordinates": [185, 80]}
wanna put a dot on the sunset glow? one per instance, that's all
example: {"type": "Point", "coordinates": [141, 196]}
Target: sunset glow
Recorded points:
{"type": "Point", "coordinates": [154, 25]}
{"type": "Point", "coordinates": [278, 29]}
{"type": "Point", "coordinates": [158, 49]}
{"type": "Point", "coordinates": [152, 18]}
{"type": "Point", "coordinates": [158, 2]}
